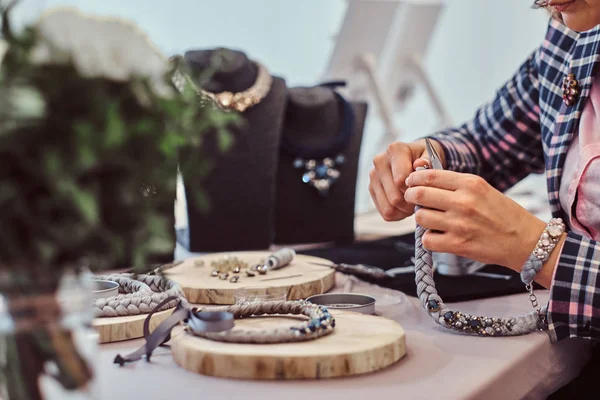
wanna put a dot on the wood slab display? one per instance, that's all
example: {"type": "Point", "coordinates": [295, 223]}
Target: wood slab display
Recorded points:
{"type": "Point", "coordinates": [116, 329]}
{"type": "Point", "coordinates": [359, 344]}
{"type": "Point", "coordinates": [201, 288]}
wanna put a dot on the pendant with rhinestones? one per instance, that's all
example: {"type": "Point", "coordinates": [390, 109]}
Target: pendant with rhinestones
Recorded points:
{"type": "Point", "coordinates": [570, 89]}
{"type": "Point", "coordinates": [320, 174]}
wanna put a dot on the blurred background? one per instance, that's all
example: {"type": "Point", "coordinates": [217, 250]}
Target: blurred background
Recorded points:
{"type": "Point", "coordinates": [475, 45]}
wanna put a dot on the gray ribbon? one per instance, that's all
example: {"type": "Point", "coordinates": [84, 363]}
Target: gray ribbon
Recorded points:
{"type": "Point", "coordinates": [204, 321]}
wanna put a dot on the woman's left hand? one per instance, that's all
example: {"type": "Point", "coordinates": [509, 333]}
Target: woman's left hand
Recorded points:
{"type": "Point", "coordinates": [466, 216]}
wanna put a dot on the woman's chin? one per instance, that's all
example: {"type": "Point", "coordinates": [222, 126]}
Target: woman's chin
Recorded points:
{"type": "Point", "coordinates": [580, 22]}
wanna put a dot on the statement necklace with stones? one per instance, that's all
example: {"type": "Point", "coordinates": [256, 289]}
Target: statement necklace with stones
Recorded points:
{"type": "Point", "coordinates": [321, 165]}
{"type": "Point", "coordinates": [241, 101]}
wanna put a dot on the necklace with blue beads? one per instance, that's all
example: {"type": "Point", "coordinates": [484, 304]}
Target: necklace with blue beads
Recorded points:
{"type": "Point", "coordinates": [321, 165]}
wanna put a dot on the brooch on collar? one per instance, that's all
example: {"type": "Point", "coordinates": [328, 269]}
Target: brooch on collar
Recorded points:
{"type": "Point", "coordinates": [570, 89]}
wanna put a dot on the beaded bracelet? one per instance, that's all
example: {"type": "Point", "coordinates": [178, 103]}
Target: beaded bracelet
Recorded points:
{"type": "Point", "coordinates": [543, 248]}
{"type": "Point", "coordinates": [319, 323]}
{"type": "Point", "coordinates": [540, 254]}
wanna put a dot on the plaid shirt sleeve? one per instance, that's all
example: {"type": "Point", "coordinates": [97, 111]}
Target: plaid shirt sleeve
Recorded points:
{"type": "Point", "coordinates": [574, 307]}
{"type": "Point", "coordinates": [502, 143]}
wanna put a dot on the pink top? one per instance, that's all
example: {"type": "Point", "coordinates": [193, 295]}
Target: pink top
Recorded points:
{"type": "Point", "coordinates": [579, 193]}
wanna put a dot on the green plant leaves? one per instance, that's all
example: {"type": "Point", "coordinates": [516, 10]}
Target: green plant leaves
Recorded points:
{"type": "Point", "coordinates": [74, 153]}
{"type": "Point", "coordinates": [114, 134]}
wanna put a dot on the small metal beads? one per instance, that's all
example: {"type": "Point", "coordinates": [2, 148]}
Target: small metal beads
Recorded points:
{"type": "Point", "coordinates": [229, 265]}
{"type": "Point", "coordinates": [223, 275]}
{"type": "Point", "coordinates": [482, 326]}
{"type": "Point", "coordinates": [262, 269]}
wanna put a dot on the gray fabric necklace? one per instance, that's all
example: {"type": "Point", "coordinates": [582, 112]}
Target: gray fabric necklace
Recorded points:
{"type": "Point", "coordinates": [456, 320]}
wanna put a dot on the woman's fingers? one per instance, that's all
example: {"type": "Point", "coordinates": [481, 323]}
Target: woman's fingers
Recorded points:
{"type": "Point", "coordinates": [393, 192]}
{"type": "Point", "coordinates": [448, 180]}
{"type": "Point", "coordinates": [432, 219]}
{"type": "Point", "coordinates": [385, 209]}
{"type": "Point", "coordinates": [399, 156]}
{"type": "Point", "coordinates": [430, 197]}
{"type": "Point", "coordinates": [439, 242]}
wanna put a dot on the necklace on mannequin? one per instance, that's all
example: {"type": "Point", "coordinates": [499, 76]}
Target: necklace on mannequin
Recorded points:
{"type": "Point", "coordinates": [228, 101]}
{"type": "Point", "coordinates": [250, 97]}
{"type": "Point", "coordinates": [321, 165]}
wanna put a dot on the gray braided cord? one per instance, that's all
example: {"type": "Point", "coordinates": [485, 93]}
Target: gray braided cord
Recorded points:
{"type": "Point", "coordinates": [461, 322]}
{"type": "Point", "coordinates": [318, 317]}
{"type": "Point", "coordinates": [138, 294]}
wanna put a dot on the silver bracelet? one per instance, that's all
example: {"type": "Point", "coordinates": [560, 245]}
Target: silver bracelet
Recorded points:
{"type": "Point", "coordinates": [543, 248]}
{"type": "Point", "coordinates": [540, 254]}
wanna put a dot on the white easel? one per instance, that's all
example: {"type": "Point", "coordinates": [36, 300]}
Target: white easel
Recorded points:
{"type": "Point", "coordinates": [379, 52]}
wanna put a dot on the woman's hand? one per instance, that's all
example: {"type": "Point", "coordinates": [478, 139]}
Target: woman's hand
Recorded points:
{"type": "Point", "coordinates": [468, 217]}
{"type": "Point", "coordinates": [388, 177]}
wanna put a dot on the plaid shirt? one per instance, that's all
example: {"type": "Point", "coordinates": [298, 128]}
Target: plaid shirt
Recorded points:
{"type": "Point", "coordinates": [526, 129]}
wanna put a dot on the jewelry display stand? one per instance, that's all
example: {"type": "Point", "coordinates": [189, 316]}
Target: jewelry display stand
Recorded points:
{"type": "Point", "coordinates": [241, 183]}
{"type": "Point", "coordinates": [359, 344]}
{"type": "Point", "coordinates": [300, 279]}
{"type": "Point", "coordinates": [315, 119]}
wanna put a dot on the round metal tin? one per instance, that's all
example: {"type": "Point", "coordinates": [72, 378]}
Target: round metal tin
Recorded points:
{"type": "Point", "coordinates": [104, 289]}
{"type": "Point", "coordinates": [360, 303]}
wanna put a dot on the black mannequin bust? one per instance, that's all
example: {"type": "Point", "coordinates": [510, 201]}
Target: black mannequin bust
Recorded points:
{"type": "Point", "coordinates": [313, 120]}
{"type": "Point", "coordinates": [241, 185]}
{"type": "Point", "coordinates": [234, 71]}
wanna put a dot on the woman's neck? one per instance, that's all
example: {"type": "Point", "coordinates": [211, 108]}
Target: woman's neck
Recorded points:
{"type": "Point", "coordinates": [234, 71]}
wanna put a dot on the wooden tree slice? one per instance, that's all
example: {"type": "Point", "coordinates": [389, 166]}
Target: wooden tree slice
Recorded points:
{"type": "Point", "coordinates": [359, 344]}
{"type": "Point", "coordinates": [201, 288]}
{"type": "Point", "coordinates": [117, 329]}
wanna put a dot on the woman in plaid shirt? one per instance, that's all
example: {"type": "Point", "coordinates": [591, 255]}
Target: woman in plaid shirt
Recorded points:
{"type": "Point", "coordinates": [545, 119]}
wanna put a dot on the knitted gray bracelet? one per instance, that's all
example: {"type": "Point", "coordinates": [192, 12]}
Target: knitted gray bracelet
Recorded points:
{"type": "Point", "coordinates": [543, 248]}
{"type": "Point", "coordinates": [458, 321]}
{"type": "Point", "coordinates": [540, 254]}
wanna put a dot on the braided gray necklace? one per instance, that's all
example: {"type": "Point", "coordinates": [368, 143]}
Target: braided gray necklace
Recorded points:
{"type": "Point", "coordinates": [456, 320]}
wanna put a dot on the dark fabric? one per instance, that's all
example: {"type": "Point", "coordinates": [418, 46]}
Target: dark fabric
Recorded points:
{"type": "Point", "coordinates": [585, 386]}
{"type": "Point", "coordinates": [301, 214]}
{"type": "Point", "coordinates": [396, 252]}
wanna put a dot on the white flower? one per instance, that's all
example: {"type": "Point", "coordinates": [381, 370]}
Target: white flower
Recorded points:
{"type": "Point", "coordinates": [99, 47]}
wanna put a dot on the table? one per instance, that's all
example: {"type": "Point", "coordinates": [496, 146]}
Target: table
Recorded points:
{"type": "Point", "coordinates": [440, 364]}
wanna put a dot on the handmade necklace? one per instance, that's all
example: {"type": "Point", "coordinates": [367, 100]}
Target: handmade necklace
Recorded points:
{"type": "Point", "coordinates": [217, 323]}
{"type": "Point", "coordinates": [321, 165]}
{"type": "Point", "coordinates": [458, 321]}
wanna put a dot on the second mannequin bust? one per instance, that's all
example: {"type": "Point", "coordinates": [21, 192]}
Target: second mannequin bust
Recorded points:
{"type": "Point", "coordinates": [318, 164]}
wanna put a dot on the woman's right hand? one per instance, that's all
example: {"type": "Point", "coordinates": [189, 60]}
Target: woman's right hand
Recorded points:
{"type": "Point", "coordinates": [387, 179]}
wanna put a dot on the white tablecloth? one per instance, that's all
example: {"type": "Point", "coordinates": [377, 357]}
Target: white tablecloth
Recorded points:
{"type": "Point", "coordinates": [440, 364]}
